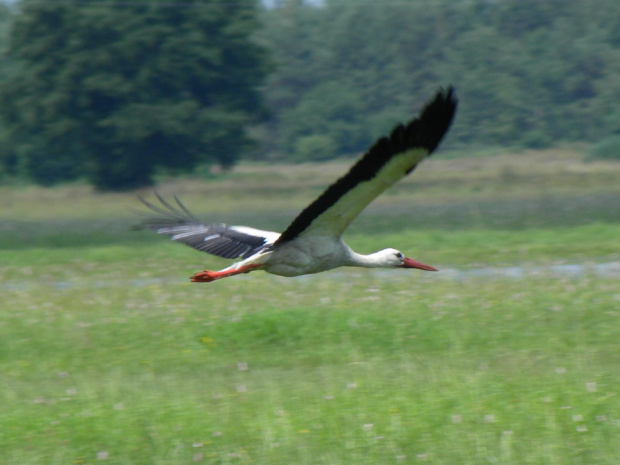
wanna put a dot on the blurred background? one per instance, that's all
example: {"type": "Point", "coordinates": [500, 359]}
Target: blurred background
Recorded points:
{"type": "Point", "coordinates": [247, 110]}
{"type": "Point", "coordinates": [115, 93]}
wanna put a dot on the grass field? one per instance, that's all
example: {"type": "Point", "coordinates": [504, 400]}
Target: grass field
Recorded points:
{"type": "Point", "coordinates": [109, 355]}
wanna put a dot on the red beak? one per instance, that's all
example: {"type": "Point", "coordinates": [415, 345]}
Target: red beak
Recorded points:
{"type": "Point", "coordinates": [410, 263]}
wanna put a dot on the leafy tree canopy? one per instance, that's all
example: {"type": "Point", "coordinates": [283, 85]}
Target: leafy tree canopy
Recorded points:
{"type": "Point", "coordinates": [528, 72]}
{"type": "Point", "coordinates": [114, 90]}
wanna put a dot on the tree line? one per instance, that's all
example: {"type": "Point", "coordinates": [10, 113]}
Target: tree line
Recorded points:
{"type": "Point", "coordinates": [117, 92]}
{"type": "Point", "coordinates": [528, 72]}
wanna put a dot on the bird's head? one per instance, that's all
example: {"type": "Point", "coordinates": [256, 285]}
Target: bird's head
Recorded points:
{"type": "Point", "coordinates": [396, 258]}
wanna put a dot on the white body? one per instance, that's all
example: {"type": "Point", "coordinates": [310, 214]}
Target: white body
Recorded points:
{"type": "Point", "coordinates": [314, 254]}
{"type": "Point", "coordinates": [312, 243]}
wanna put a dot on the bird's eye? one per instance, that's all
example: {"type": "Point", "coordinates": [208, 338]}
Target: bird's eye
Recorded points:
{"type": "Point", "coordinates": [400, 256]}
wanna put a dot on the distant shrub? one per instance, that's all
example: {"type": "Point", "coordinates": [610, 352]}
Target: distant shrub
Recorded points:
{"type": "Point", "coordinates": [536, 139]}
{"type": "Point", "coordinates": [314, 148]}
{"type": "Point", "coordinates": [606, 149]}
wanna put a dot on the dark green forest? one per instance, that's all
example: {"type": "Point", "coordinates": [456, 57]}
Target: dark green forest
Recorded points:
{"type": "Point", "coordinates": [118, 92]}
{"type": "Point", "coordinates": [113, 91]}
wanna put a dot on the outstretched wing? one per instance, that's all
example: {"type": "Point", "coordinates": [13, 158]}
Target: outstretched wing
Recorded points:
{"type": "Point", "coordinates": [215, 239]}
{"type": "Point", "coordinates": [386, 162]}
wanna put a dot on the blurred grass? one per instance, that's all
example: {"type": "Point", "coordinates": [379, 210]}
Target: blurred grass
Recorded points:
{"type": "Point", "coordinates": [282, 190]}
{"type": "Point", "coordinates": [555, 211]}
{"type": "Point", "coordinates": [548, 189]}
{"type": "Point", "coordinates": [108, 353]}
{"type": "Point", "coordinates": [160, 259]}
{"type": "Point", "coordinates": [265, 370]}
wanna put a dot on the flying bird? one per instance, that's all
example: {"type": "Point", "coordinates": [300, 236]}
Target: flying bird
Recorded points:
{"type": "Point", "coordinates": [313, 241]}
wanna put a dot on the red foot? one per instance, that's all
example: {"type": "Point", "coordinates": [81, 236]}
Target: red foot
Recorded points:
{"type": "Point", "coordinates": [207, 276]}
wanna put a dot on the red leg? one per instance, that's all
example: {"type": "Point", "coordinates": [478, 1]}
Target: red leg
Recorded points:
{"type": "Point", "coordinates": [207, 276]}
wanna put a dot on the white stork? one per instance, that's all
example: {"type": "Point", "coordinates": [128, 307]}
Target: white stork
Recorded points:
{"type": "Point", "coordinates": [312, 243]}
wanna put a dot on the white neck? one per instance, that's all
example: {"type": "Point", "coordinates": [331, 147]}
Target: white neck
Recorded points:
{"type": "Point", "coordinates": [374, 260]}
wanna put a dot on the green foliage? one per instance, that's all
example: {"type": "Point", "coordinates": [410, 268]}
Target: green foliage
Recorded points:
{"type": "Point", "coordinates": [119, 90]}
{"type": "Point", "coordinates": [328, 111]}
{"type": "Point", "coordinates": [536, 139]}
{"type": "Point", "coordinates": [314, 148]}
{"type": "Point", "coordinates": [528, 73]}
{"type": "Point", "coordinates": [607, 149]}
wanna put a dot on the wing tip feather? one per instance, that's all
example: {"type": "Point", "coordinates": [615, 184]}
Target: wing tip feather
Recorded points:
{"type": "Point", "coordinates": [424, 131]}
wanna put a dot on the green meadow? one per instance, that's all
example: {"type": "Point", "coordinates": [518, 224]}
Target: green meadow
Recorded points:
{"type": "Point", "coordinates": [110, 355]}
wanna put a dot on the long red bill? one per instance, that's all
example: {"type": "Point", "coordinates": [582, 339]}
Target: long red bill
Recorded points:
{"type": "Point", "coordinates": [410, 263]}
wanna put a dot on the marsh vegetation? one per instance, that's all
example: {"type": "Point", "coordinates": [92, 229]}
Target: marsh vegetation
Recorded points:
{"type": "Point", "coordinates": [110, 354]}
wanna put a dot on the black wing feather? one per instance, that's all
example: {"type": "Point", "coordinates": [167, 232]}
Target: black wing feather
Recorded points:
{"type": "Point", "coordinates": [425, 131]}
{"type": "Point", "coordinates": [214, 239]}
